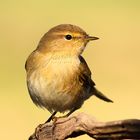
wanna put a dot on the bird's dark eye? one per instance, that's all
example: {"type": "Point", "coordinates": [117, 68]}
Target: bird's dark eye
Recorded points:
{"type": "Point", "coordinates": [68, 37]}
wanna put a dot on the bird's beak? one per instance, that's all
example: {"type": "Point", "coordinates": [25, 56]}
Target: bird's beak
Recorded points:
{"type": "Point", "coordinates": [90, 38]}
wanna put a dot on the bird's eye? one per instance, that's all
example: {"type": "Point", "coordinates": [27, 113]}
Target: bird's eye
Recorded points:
{"type": "Point", "coordinates": [68, 37]}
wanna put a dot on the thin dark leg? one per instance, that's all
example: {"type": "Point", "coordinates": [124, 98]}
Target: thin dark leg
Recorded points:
{"type": "Point", "coordinates": [71, 112]}
{"type": "Point", "coordinates": [50, 118]}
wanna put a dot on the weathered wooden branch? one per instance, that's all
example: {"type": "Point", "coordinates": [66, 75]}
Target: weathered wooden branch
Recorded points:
{"type": "Point", "coordinates": [80, 124]}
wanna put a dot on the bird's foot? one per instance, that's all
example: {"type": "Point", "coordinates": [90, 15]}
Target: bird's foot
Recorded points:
{"type": "Point", "coordinates": [37, 130]}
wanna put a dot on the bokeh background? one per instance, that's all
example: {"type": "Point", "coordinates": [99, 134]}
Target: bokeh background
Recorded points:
{"type": "Point", "coordinates": [114, 59]}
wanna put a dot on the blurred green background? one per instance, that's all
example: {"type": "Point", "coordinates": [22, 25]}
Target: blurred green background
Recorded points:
{"type": "Point", "coordinates": [114, 59]}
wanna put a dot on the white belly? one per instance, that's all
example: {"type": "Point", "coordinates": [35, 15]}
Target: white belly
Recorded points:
{"type": "Point", "coordinates": [50, 86]}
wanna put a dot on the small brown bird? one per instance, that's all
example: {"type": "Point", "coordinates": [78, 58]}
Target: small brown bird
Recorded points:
{"type": "Point", "coordinates": [58, 77]}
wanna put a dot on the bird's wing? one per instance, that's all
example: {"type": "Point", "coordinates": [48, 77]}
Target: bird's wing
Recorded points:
{"type": "Point", "coordinates": [85, 73]}
{"type": "Point", "coordinates": [87, 82]}
{"type": "Point", "coordinates": [28, 63]}
{"type": "Point", "coordinates": [35, 60]}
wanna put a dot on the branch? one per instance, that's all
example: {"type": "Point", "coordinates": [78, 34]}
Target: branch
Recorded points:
{"type": "Point", "coordinates": [81, 124]}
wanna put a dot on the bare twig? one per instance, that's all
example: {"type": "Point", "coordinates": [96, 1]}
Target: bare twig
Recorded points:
{"type": "Point", "coordinates": [80, 124]}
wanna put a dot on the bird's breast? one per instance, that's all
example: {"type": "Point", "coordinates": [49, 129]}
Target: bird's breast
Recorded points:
{"type": "Point", "coordinates": [65, 65]}
{"type": "Point", "coordinates": [62, 72]}
{"type": "Point", "coordinates": [55, 83]}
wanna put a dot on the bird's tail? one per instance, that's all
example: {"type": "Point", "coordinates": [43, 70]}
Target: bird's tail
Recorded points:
{"type": "Point", "coordinates": [100, 95]}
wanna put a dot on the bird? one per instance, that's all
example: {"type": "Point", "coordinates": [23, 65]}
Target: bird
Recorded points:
{"type": "Point", "coordinates": [58, 77]}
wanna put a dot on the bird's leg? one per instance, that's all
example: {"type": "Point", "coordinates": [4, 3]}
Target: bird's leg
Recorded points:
{"type": "Point", "coordinates": [40, 125]}
{"type": "Point", "coordinates": [55, 118]}
{"type": "Point", "coordinates": [51, 117]}
{"type": "Point", "coordinates": [70, 112]}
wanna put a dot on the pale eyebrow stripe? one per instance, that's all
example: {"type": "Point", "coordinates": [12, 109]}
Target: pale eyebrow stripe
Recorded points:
{"type": "Point", "coordinates": [75, 34]}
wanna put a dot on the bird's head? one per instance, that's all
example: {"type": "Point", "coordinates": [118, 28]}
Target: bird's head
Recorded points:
{"type": "Point", "coordinates": [65, 38]}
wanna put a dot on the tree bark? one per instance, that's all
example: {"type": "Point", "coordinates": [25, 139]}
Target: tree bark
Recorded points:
{"type": "Point", "coordinates": [80, 124]}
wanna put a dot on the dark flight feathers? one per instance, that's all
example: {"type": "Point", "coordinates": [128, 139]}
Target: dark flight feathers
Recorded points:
{"type": "Point", "coordinates": [85, 77]}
